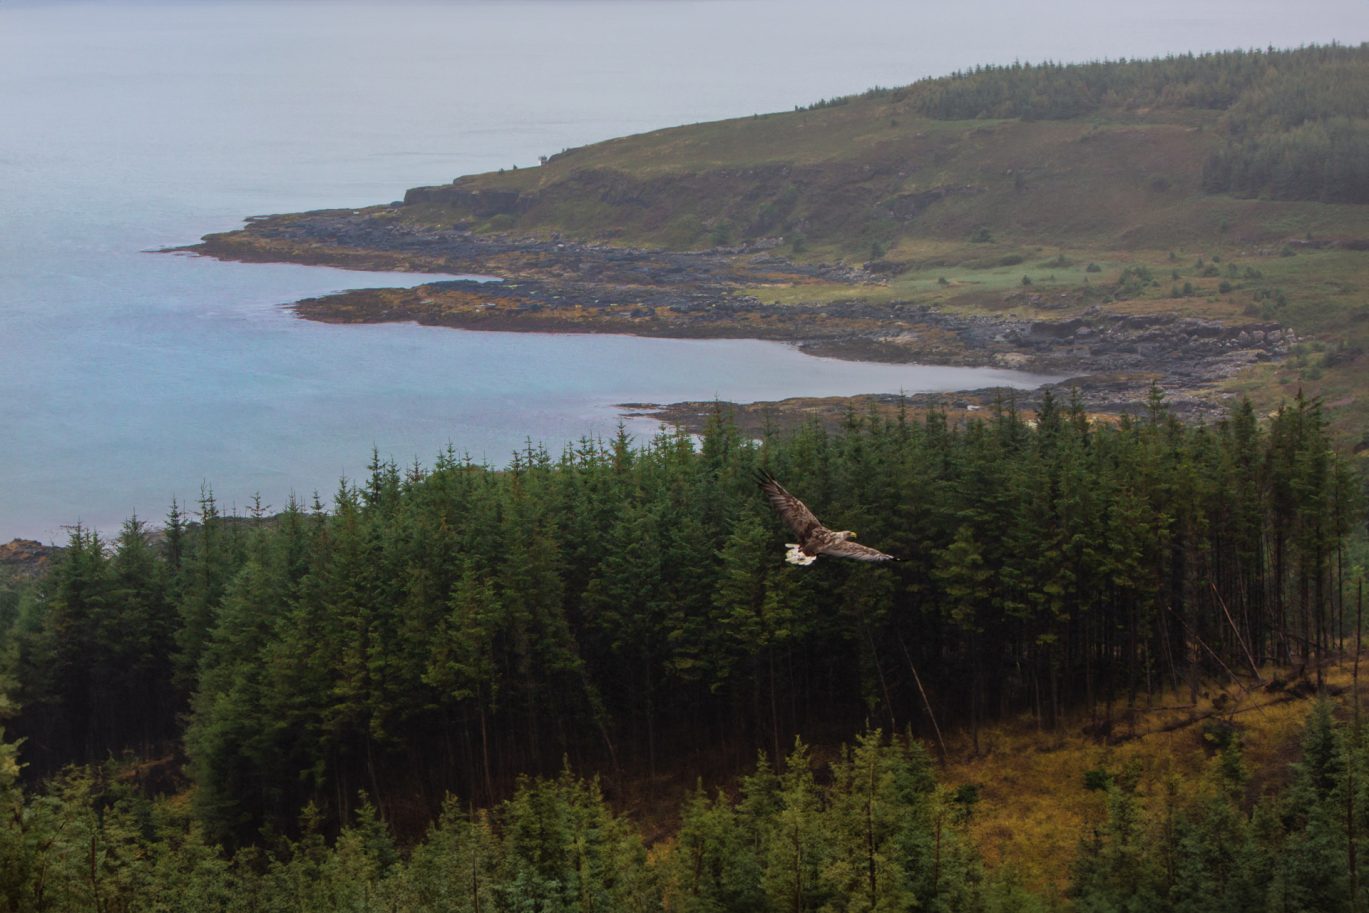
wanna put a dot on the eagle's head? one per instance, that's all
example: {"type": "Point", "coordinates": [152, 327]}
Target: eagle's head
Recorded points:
{"type": "Point", "coordinates": [846, 534]}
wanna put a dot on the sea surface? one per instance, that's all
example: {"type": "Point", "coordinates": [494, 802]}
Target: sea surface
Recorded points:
{"type": "Point", "coordinates": [128, 377]}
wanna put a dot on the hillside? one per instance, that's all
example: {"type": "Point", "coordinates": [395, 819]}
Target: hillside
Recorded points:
{"type": "Point", "coordinates": [1196, 221]}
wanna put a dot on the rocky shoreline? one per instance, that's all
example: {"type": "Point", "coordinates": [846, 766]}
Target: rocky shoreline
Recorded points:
{"type": "Point", "coordinates": [557, 285]}
{"type": "Point", "coordinates": [1108, 397]}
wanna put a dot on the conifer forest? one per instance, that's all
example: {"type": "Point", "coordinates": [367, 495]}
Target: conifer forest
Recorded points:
{"type": "Point", "coordinates": [453, 687]}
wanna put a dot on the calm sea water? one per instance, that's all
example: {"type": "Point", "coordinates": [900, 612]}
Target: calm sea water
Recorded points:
{"type": "Point", "coordinates": [127, 378]}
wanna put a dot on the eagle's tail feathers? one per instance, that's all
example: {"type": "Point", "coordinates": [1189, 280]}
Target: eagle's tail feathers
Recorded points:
{"type": "Point", "coordinates": [795, 556]}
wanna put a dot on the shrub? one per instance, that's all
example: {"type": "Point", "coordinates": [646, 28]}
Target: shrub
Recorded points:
{"type": "Point", "coordinates": [1133, 280]}
{"type": "Point", "coordinates": [1342, 354]}
{"type": "Point", "coordinates": [1097, 780]}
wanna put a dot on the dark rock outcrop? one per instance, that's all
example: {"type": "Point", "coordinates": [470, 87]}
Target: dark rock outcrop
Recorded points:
{"type": "Point", "coordinates": [26, 558]}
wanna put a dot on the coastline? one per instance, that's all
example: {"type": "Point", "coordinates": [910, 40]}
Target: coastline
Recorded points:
{"type": "Point", "coordinates": [552, 285]}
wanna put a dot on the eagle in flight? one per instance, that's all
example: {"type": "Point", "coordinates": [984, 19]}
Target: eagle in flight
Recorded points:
{"type": "Point", "coordinates": [814, 538]}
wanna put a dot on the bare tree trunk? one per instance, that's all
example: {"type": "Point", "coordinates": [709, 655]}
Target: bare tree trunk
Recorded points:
{"type": "Point", "coordinates": [870, 837]}
{"type": "Point", "coordinates": [485, 758]}
{"type": "Point", "coordinates": [774, 705]}
{"type": "Point", "coordinates": [941, 744]}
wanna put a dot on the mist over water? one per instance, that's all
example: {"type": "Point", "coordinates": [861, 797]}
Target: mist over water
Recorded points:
{"type": "Point", "coordinates": [127, 378]}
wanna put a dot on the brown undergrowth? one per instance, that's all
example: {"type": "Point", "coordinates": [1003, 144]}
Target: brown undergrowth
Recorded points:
{"type": "Point", "coordinates": [1034, 806]}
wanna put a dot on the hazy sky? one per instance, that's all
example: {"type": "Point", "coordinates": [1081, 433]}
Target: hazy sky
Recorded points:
{"type": "Point", "coordinates": [945, 34]}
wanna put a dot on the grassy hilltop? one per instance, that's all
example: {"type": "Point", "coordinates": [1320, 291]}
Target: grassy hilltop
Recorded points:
{"type": "Point", "coordinates": [1107, 156]}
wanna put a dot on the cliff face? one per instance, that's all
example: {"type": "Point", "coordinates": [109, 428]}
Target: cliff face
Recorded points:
{"type": "Point", "coordinates": [481, 204]}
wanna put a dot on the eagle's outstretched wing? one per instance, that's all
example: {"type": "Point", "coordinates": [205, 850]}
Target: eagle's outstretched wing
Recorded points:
{"type": "Point", "coordinates": [794, 512]}
{"type": "Point", "coordinates": [845, 548]}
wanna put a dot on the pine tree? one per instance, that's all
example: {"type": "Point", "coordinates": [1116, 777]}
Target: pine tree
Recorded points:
{"type": "Point", "coordinates": [462, 665]}
{"type": "Point", "coordinates": [712, 866]}
{"type": "Point", "coordinates": [455, 868]}
{"type": "Point", "coordinates": [81, 664]}
{"type": "Point", "coordinates": [798, 847]}
{"type": "Point", "coordinates": [140, 630]}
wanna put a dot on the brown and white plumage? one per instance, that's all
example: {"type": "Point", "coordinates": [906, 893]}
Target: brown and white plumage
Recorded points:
{"type": "Point", "coordinates": [814, 538]}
